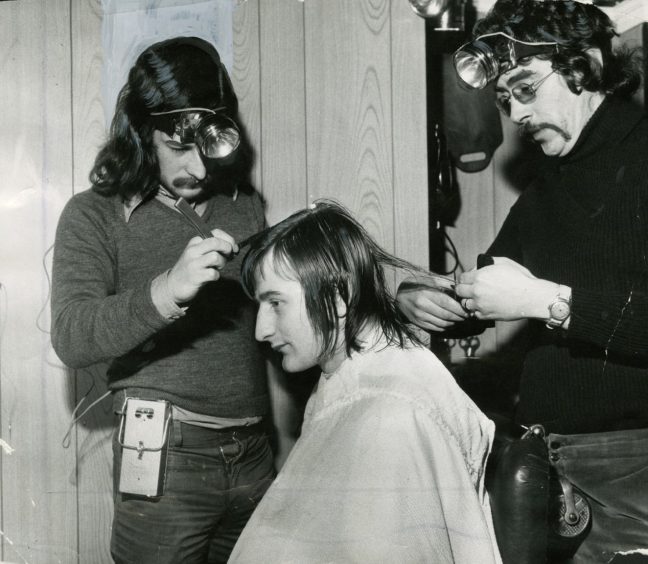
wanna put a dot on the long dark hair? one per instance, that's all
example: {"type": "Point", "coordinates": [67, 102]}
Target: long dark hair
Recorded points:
{"type": "Point", "coordinates": [332, 255]}
{"type": "Point", "coordinates": [575, 27]}
{"type": "Point", "coordinates": [177, 73]}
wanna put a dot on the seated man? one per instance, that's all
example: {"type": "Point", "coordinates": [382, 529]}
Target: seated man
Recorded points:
{"type": "Point", "coordinates": [390, 463]}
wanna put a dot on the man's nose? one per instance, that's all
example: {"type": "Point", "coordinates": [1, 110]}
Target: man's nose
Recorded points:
{"type": "Point", "coordinates": [195, 165]}
{"type": "Point", "coordinates": [264, 326]}
{"type": "Point", "coordinates": [519, 112]}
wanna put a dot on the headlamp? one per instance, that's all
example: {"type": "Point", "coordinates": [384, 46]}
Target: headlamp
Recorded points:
{"type": "Point", "coordinates": [215, 134]}
{"type": "Point", "coordinates": [483, 59]}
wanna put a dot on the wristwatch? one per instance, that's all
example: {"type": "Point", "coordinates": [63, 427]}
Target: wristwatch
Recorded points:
{"type": "Point", "coordinates": [559, 309]}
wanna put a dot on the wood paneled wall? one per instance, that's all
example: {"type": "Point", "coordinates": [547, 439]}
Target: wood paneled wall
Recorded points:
{"type": "Point", "coordinates": [333, 97]}
{"type": "Point", "coordinates": [332, 93]}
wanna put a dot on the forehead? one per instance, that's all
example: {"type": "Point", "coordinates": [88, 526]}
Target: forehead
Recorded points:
{"type": "Point", "coordinates": [163, 145]}
{"type": "Point", "coordinates": [533, 69]}
{"type": "Point", "coordinates": [175, 121]}
{"type": "Point", "coordinates": [275, 276]}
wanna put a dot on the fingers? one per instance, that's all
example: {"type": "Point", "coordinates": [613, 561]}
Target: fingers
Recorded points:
{"type": "Point", "coordinates": [469, 306]}
{"type": "Point", "coordinates": [464, 290]}
{"type": "Point", "coordinates": [467, 277]}
{"type": "Point", "coordinates": [213, 260]}
{"type": "Point", "coordinates": [199, 264]}
{"type": "Point", "coordinates": [432, 310]}
{"type": "Point", "coordinates": [227, 239]}
{"type": "Point", "coordinates": [436, 303]}
{"type": "Point", "coordinates": [225, 246]}
{"type": "Point", "coordinates": [427, 282]}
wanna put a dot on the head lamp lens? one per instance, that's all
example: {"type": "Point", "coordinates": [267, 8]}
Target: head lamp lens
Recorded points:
{"type": "Point", "coordinates": [482, 60]}
{"type": "Point", "coordinates": [216, 135]}
{"type": "Point", "coordinates": [476, 64]}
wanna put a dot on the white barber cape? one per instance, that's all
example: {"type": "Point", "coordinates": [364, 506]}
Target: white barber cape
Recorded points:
{"type": "Point", "coordinates": [389, 468]}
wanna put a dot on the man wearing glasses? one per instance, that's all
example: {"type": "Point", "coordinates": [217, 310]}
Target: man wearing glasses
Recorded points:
{"type": "Point", "coordinates": [571, 255]}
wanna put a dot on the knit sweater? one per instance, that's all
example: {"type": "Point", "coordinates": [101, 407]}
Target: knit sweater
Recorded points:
{"type": "Point", "coordinates": [206, 361]}
{"type": "Point", "coordinates": [583, 223]}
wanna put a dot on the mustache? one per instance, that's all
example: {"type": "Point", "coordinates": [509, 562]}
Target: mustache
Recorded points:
{"type": "Point", "coordinates": [529, 129]}
{"type": "Point", "coordinates": [191, 182]}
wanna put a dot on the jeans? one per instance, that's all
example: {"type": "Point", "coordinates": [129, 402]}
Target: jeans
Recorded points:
{"type": "Point", "coordinates": [213, 482]}
{"type": "Point", "coordinates": [611, 469]}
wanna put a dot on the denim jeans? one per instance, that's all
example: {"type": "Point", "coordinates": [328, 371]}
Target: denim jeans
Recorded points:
{"type": "Point", "coordinates": [611, 469]}
{"type": "Point", "coordinates": [213, 482]}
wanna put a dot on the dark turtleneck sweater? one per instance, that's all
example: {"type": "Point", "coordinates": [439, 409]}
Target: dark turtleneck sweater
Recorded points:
{"type": "Point", "coordinates": [584, 223]}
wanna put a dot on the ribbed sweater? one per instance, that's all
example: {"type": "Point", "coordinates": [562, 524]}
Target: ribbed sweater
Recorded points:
{"type": "Point", "coordinates": [584, 223]}
{"type": "Point", "coordinates": [206, 361]}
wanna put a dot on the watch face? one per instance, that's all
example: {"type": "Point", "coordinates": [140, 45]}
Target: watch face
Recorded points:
{"type": "Point", "coordinates": [559, 310]}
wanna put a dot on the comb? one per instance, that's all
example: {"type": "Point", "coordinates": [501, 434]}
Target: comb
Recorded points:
{"type": "Point", "coordinates": [199, 224]}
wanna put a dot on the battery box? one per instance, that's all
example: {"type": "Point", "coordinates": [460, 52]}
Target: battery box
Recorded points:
{"type": "Point", "coordinates": [143, 437]}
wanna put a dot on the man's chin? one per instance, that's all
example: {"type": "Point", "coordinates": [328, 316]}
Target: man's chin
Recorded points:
{"type": "Point", "coordinates": [294, 365]}
{"type": "Point", "coordinates": [553, 147]}
{"type": "Point", "coordinates": [191, 193]}
{"type": "Point", "coordinates": [288, 367]}
{"type": "Point", "coordinates": [552, 141]}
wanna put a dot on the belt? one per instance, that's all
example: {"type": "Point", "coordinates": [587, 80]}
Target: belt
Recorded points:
{"type": "Point", "coordinates": [240, 432]}
{"type": "Point", "coordinates": [605, 426]}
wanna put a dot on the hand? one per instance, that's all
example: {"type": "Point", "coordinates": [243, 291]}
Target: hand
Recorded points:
{"type": "Point", "coordinates": [505, 291]}
{"type": "Point", "coordinates": [429, 303]}
{"type": "Point", "coordinates": [199, 264]}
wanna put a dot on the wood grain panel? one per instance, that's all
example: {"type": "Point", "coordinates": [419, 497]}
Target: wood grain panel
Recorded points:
{"type": "Point", "coordinates": [93, 476]}
{"type": "Point", "coordinates": [283, 107]}
{"type": "Point", "coordinates": [349, 120]}
{"type": "Point", "coordinates": [245, 75]}
{"type": "Point", "coordinates": [38, 504]}
{"type": "Point", "coordinates": [409, 134]}
{"type": "Point", "coordinates": [90, 128]}
{"type": "Point", "coordinates": [282, 160]}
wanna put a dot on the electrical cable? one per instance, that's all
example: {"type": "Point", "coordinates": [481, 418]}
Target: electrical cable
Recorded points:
{"type": "Point", "coordinates": [65, 443]}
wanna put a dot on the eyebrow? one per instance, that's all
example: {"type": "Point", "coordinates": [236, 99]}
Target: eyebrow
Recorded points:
{"type": "Point", "coordinates": [520, 75]}
{"type": "Point", "coordinates": [267, 295]}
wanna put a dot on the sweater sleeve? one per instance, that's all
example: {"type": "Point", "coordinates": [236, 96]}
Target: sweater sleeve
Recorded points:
{"type": "Point", "coordinates": [616, 322]}
{"type": "Point", "coordinates": [91, 322]}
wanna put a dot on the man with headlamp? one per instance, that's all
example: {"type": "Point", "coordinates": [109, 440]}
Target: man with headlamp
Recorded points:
{"type": "Point", "coordinates": [156, 293]}
{"type": "Point", "coordinates": [571, 255]}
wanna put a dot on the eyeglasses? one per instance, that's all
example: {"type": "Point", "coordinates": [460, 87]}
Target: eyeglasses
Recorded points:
{"type": "Point", "coordinates": [523, 93]}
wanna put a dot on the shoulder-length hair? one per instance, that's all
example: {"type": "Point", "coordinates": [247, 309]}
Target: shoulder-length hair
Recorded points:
{"type": "Point", "coordinates": [177, 73]}
{"type": "Point", "coordinates": [333, 257]}
{"type": "Point", "coordinates": [576, 28]}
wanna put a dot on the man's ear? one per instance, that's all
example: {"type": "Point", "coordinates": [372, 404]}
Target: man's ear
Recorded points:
{"type": "Point", "coordinates": [340, 306]}
{"type": "Point", "coordinates": [595, 53]}
{"type": "Point", "coordinates": [596, 65]}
